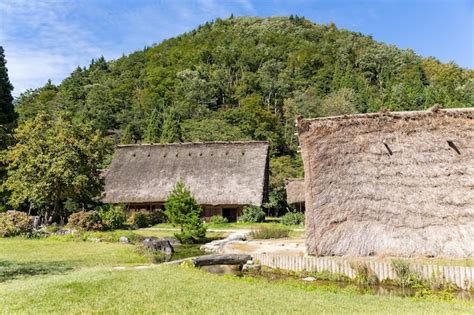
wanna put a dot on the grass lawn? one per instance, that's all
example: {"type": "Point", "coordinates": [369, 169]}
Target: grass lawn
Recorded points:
{"type": "Point", "coordinates": [23, 257]}
{"type": "Point", "coordinates": [177, 290]}
{"type": "Point", "coordinates": [54, 276]}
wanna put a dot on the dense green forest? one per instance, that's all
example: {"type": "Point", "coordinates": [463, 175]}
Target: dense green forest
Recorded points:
{"type": "Point", "coordinates": [247, 78]}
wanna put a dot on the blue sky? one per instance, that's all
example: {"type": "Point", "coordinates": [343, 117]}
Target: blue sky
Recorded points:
{"type": "Point", "coordinates": [47, 39]}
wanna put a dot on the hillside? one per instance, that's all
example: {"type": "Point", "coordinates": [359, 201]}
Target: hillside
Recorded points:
{"type": "Point", "coordinates": [247, 78]}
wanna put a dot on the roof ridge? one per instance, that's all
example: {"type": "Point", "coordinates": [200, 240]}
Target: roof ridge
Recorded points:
{"type": "Point", "coordinates": [189, 143]}
{"type": "Point", "coordinates": [395, 113]}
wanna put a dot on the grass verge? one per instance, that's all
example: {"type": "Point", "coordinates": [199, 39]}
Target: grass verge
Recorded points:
{"type": "Point", "coordinates": [175, 290]}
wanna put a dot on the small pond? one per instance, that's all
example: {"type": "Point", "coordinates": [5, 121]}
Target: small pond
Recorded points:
{"type": "Point", "coordinates": [385, 290]}
{"type": "Point", "coordinates": [180, 252]}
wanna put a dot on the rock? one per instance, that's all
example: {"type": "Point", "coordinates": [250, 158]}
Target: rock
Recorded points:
{"type": "Point", "coordinates": [36, 222]}
{"type": "Point", "coordinates": [63, 232]}
{"type": "Point", "coordinates": [124, 240]}
{"type": "Point", "coordinates": [251, 267]}
{"type": "Point", "coordinates": [309, 279]}
{"type": "Point", "coordinates": [173, 240]}
{"type": "Point", "coordinates": [237, 236]}
{"type": "Point", "coordinates": [94, 239]}
{"type": "Point", "coordinates": [218, 246]}
{"type": "Point", "coordinates": [162, 245]}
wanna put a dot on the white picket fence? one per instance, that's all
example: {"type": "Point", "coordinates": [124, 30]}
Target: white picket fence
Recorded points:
{"type": "Point", "coordinates": [463, 277]}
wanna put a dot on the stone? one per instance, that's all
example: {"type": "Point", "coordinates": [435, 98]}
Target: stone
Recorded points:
{"type": "Point", "coordinates": [251, 267]}
{"type": "Point", "coordinates": [94, 239]}
{"type": "Point", "coordinates": [218, 246]}
{"type": "Point", "coordinates": [173, 240]}
{"type": "Point", "coordinates": [237, 236]}
{"type": "Point", "coordinates": [124, 240]}
{"type": "Point", "coordinates": [36, 222]}
{"type": "Point", "coordinates": [309, 279]}
{"type": "Point", "coordinates": [63, 232]}
{"type": "Point", "coordinates": [164, 246]}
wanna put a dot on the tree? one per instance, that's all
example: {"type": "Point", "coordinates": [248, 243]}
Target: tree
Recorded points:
{"type": "Point", "coordinates": [7, 112]}
{"type": "Point", "coordinates": [183, 210]}
{"type": "Point", "coordinates": [7, 118]}
{"type": "Point", "coordinates": [171, 131]}
{"type": "Point", "coordinates": [281, 168]}
{"type": "Point", "coordinates": [153, 131]}
{"type": "Point", "coordinates": [54, 160]}
{"type": "Point", "coordinates": [340, 102]}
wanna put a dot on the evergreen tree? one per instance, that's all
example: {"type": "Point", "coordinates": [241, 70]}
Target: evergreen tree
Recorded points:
{"type": "Point", "coordinates": [171, 128]}
{"type": "Point", "coordinates": [183, 210]}
{"type": "Point", "coordinates": [153, 131]}
{"type": "Point", "coordinates": [7, 121]}
{"type": "Point", "coordinates": [7, 112]}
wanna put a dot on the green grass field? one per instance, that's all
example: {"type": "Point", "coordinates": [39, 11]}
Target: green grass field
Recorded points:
{"type": "Point", "coordinates": [176, 290]}
{"type": "Point", "coordinates": [53, 276]}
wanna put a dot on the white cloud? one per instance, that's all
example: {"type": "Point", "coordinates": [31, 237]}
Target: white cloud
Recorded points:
{"type": "Point", "coordinates": [48, 39]}
{"type": "Point", "coordinates": [41, 43]}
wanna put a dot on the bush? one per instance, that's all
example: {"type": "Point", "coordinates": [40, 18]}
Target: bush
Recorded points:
{"type": "Point", "coordinates": [140, 219]}
{"type": "Point", "coordinates": [293, 218]}
{"type": "Point", "coordinates": [87, 220]}
{"type": "Point", "coordinates": [113, 216]}
{"type": "Point", "coordinates": [406, 277]}
{"type": "Point", "coordinates": [13, 223]}
{"type": "Point", "coordinates": [266, 232]}
{"type": "Point", "coordinates": [218, 219]}
{"type": "Point", "coordinates": [157, 216]}
{"type": "Point", "coordinates": [365, 276]}
{"type": "Point", "coordinates": [183, 210]}
{"type": "Point", "coordinates": [252, 214]}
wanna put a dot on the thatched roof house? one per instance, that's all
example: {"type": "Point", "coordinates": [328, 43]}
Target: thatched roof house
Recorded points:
{"type": "Point", "coordinates": [399, 183]}
{"type": "Point", "coordinates": [223, 176]}
{"type": "Point", "coordinates": [295, 192]}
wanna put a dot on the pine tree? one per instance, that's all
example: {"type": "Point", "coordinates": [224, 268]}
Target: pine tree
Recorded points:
{"type": "Point", "coordinates": [153, 131]}
{"type": "Point", "coordinates": [7, 121]}
{"type": "Point", "coordinates": [171, 131]}
{"type": "Point", "coordinates": [7, 112]}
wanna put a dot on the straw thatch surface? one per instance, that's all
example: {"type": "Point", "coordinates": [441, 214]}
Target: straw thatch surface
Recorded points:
{"type": "Point", "coordinates": [225, 173]}
{"type": "Point", "coordinates": [294, 190]}
{"type": "Point", "coordinates": [390, 183]}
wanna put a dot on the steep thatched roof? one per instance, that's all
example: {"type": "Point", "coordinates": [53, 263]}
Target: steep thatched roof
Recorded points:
{"type": "Point", "coordinates": [218, 173]}
{"type": "Point", "coordinates": [398, 183]}
{"type": "Point", "coordinates": [294, 190]}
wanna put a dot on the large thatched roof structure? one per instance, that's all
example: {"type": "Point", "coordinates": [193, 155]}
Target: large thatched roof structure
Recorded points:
{"type": "Point", "coordinates": [294, 190]}
{"type": "Point", "coordinates": [218, 173]}
{"type": "Point", "coordinates": [398, 183]}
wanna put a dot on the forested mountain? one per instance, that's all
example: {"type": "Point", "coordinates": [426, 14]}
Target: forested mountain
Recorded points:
{"type": "Point", "coordinates": [247, 78]}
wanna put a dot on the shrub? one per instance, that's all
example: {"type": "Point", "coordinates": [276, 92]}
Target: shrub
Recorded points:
{"type": "Point", "coordinates": [293, 218]}
{"type": "Point", "coordinates": [113, 216]}
{"type": "Point", "coordinates": [406, 277]}
{"type": "Point", "coordinates": [183, 210]}
{"type": "Point", "coordinates": [218, 219]}
{"type": "Point", "coordinates": [266, 232]}
{"type": "Point", "coordinates": [140, 219]}
{"type": "Point", "coordinates": [252, 214]}
{"type": "Point", "coordinates": [157, 216]}
{"type": "Point", "coordinates": [87, 220]}
{"type": "Point", "coordinates": [365, 276]}
{"type": "Point", "coordinates": [14, 223]}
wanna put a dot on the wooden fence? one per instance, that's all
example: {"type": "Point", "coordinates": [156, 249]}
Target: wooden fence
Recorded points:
{"type": "Point", "coordinates": [463, 277]}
